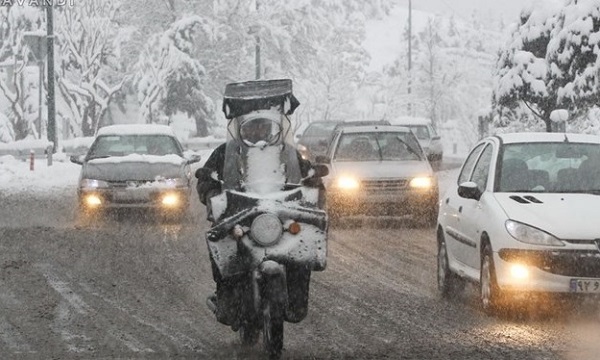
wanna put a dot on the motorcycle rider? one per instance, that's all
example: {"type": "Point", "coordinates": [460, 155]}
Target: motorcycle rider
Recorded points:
{"type": "Point", "coordinates": [255, 131]}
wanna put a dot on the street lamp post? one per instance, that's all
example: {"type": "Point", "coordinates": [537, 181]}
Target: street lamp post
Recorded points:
{"type": "Point", "coordinates": [51, 105]}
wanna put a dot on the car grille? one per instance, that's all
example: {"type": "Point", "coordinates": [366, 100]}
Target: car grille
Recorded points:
{"type": "Point", "coordinates": [125, 184]}
{"type": "Point", "coordinates": [574, 263]}
{"type": "Point", "coordinates": [384, 185]}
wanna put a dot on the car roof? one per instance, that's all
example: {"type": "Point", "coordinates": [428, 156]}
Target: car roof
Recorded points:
{"type": "Point", "coordinates": [373, 128]}
{"type": "Point", "coordinates": [136, 129]}
{"type": "Point", "coordinates": [408, 120]}
{"type": "Point", "coordinates": [527, 137]}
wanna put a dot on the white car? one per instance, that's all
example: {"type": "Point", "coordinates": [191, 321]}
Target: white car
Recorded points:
{"type": "Point", "coordinates": [521, 219]}
{"type": "Point", "coordinates": [379, 170]}
{"type": "Point", "coordinates": [429, 139]}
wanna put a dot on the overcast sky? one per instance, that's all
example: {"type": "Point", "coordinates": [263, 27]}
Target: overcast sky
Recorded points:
{"type": "Point", "coordinates": [509, 9]}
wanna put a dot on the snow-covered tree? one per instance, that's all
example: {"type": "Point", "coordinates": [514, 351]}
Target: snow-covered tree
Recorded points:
{"type": "Point", "coordinates": [451, 73]}
{"type": "Point", "coordinates": [551, 63]}
{"type": "Point", "coordinates": [522, 78]}
{"type": "Point", "coordinates": [170, 79]}
{"type": "Point", "coordinates": [88, 66]}
{"type": "Point", "coordinates": [573, 52]}
{"type": "Point", "coordinates": [16, 87]}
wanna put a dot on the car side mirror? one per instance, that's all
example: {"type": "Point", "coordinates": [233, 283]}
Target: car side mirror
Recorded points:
{"type": "Point", "coordinates": [469, 190]}
{"type": "Point", "coordinates": [322, 159]}
{"type": "Point", "coordinates": [77, 159]}
{"type": "Point", "coordinates": [192, 159]}
{"type": "Point", "coordinates": [437, 137]}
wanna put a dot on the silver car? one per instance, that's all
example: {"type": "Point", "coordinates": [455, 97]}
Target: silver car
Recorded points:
{"type": "Point", "coordinates": [135, 166]}
{"type": "Point", "coordinates": [379, 170]}
{"type": "Point", "coordinates": [429, 139]}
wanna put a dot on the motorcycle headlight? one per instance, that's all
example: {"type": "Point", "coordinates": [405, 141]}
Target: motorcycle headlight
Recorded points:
{"type": "Point", "coordinates": [347, 183]}
{"type": "Point", "coordinates": [424, 182]}
{"type": "Point", "coordinates": [530, 235]}
{"type": "Point", "coordinates": [93, 184]}
{"type": "Point", "coordinates": [266, 229]}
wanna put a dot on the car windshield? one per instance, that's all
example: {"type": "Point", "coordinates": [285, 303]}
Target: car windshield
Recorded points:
{"type": "Point", "coordinates": [378, 146]}
{"type": "Point", "coordinates": [121, 145]}
{"type": "Point", "coordinates": [420, 131]}
{"type": "Point", "coordinates": [320, 130]}
{"type": "Point", "coordinates": [563, 167]}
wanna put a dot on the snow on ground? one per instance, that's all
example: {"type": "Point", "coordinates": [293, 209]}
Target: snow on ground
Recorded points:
{"type": "Point", "coordinates": [16, 176]}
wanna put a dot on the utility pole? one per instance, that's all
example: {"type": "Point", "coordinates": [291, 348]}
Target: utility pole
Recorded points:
{"type": "Point", "coordinates": [51, 105]}
{"type": "Point", "coordinates": [409, 57]}
{"type": "Point", "coordinates": [257, 49]}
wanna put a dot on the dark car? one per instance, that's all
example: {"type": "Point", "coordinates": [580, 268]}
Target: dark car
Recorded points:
{"type": "Point", "coordinates": [315, 139]}
{"type": "Point", "coordinates": [135, 166]}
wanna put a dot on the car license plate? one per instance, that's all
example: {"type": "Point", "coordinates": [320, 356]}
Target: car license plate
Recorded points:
{"type": "Point", "coordinates": [129, 196]}
{"type": "Point", "coordinates": [585, 286]}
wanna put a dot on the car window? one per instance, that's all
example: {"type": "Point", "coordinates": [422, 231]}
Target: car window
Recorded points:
{"type": "Point", "coordinates": [550, 167]}
{"type": "Point", "coordinates": [122, 145]}
{"type": "Point", "coordinates": [320, 130]}
{"type": "Point", "coordinates": [378, 146]}
{"type": "Point", "coordinates": [482, 168]}
{"type": "Point", "coordinates": [465, 173]}
{"type": "Point", "coordinates": [420, 131]}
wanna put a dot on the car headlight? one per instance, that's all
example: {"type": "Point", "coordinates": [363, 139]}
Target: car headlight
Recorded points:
{"type": "Point", "coordinates": [423, 182]}
{"type": "Point", "coordinates": [93, 184]}
{"type": "Point", "coordinates": [170, 200]}
{"type": "Point", "coordinates": [92, 201]}
{"type": "Point", "coordinates": [266, 229]}
{"type": "Point", "coordinates": [347, 183]}
{"type": "Point", "coordinates": [303, 150]}
{"type": "Point", "coordinates": [530, 235]}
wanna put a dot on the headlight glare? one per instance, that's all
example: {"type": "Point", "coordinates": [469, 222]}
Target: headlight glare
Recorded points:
{"type": "Point", "coordinates": [170, 200]}
{"type": "Point", "coordinates": [519, 271]}
{"type": "Point", "coordinates": [93, 200]}
{"type": "Point", "coordinates": [424, 182]}
{"type": "Point", "coordinates": [530, 235]}
{"type": "Point", "coordinates": [266, 229]}
{"type": "Point", "coordinates": [347, 183]}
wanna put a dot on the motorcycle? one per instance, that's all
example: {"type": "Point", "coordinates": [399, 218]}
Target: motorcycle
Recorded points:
{"type": "Point", "coordinates": [269, 227]}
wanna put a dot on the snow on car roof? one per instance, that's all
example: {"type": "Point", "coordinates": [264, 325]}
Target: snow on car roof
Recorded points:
{"type": "Point", "coordinates": [510, 138]}
{"type": "Point", "coordinates": [374, 128]}
{"type": "Point", "coordinates": [136, 129]}
{"type": "Point", "coordinates": [409, 120]}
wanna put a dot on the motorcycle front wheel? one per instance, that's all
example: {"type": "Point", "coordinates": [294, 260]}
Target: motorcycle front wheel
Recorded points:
{"type": "Point", "coordinates": [273, 314]}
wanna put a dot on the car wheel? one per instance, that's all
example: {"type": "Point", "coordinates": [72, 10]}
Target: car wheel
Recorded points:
{"type": "Point", "coordinates": [449, 284]}
{"type": "Point", "coordinates": [489, 292]}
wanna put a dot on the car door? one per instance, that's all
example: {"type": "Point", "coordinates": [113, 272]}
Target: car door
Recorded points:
{"type": "Point", "coordinates": [471, 211]}
{"type": "Point", "coordinates": [452, 207]}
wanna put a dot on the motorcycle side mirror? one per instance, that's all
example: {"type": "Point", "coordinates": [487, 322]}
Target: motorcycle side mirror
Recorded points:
{"type": "Point", "coordinates": [320, 170]}
{"type": "Point", "coordinates": [321, 159]}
